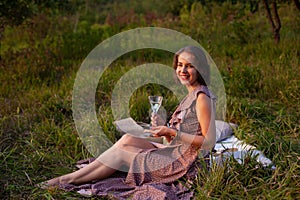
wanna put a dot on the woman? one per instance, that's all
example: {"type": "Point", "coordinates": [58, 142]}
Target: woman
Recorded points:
{"type": "Point", "coordinates": [154, 168]}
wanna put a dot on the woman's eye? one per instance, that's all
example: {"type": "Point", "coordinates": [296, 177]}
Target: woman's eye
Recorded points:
{"type": "Point", "coordinates": [189, 66]}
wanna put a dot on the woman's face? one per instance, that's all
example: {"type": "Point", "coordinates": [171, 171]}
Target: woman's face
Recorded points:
{"type": "Point", "coordinates": [185, 71]}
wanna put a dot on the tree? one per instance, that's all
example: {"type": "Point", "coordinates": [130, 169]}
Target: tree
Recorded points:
{"type": "Point", "coordinates": [275, 23]}
{"type": "Point", "coordinates": [297, 3]}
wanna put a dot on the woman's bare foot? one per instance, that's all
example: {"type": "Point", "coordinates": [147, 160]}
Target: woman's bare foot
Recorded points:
{"type": "Point", "coordinates": [52, 183]}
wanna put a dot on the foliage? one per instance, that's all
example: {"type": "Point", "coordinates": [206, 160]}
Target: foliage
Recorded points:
{"type": "Point", "coordinates": [44, 44]}
{"type": "Point", "coordinates": [16, 11]}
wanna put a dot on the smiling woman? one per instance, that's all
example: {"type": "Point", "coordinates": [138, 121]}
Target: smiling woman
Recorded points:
{"type": "Point", "coordinates": [153, 167]}
{"type": "Point", "coordinates": [191, 61]}
{"type": "Point", "coordinates": [186, 72]}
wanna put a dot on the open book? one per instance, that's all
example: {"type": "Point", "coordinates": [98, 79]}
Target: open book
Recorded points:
{"type": "Point", "coordinates": [128, 125]}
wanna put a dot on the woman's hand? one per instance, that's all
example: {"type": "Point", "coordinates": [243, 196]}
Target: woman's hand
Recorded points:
{"type": "Point", "coordinates": [159, 131]}
{"type": "Point", "coordinates": [157, 120]}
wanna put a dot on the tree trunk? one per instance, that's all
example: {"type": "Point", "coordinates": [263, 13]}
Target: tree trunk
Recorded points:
{"type": "Point", "coordinates": [276, 25]}
{"type": "Point", "coordinates": [297, 3]}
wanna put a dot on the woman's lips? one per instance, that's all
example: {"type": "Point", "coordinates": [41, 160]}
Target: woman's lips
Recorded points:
{"type": "Point", "coordinates": [184, 76]}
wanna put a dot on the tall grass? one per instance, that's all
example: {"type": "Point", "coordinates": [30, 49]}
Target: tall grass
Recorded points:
{"type": "Point", "coordinates": [39, 60]}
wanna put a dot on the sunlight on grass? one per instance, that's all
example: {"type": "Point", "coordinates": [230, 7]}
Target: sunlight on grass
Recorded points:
{"type": "Point", "coordinates": [38, 65]}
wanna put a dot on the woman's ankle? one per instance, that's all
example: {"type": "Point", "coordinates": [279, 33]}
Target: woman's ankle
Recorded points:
{"type": "Point", "coordinates": [66, 179]}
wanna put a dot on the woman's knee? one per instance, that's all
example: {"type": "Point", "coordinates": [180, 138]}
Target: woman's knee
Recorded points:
{"type": "Point", "coordinates": [125, 140]}
{"type": "Point", "coordinates": [126, 137]}
{"type": "Point", "coordinates": [129, 141]}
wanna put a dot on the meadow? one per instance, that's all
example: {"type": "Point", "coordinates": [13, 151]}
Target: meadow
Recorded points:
{"type": "Point", "coordinates": [40, 58]}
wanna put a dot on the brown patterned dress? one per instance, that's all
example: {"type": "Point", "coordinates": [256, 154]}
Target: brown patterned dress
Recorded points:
{"type": "Point", "coordinates": [158, 173]}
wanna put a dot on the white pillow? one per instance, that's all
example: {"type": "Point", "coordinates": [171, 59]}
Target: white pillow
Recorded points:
{"type": "Point", "coordinates": [224, 130]}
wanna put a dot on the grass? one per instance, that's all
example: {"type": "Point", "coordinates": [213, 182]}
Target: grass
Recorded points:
{"type": "Point", "coordinates": [39, 61]}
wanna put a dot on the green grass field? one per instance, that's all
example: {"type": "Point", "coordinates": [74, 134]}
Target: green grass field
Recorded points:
{"type": "Point", "coordinates": [38, 65]}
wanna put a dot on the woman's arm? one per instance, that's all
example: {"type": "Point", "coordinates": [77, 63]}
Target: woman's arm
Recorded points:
{"type": "Point", "coordinates": [205, 115]}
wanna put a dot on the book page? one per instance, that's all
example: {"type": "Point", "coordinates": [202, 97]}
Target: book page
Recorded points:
{"type": "Point", "coordinates": [128, 125]}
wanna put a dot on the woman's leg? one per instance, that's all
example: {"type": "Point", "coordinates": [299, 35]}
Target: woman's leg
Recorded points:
{"type": "Point", "coordinates": [121, 153]}
{"type": "Point", "coordinates": [88, 173]}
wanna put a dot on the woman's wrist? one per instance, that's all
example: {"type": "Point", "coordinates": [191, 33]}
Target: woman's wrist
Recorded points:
{"type": "Point", "coordinates": [176, 134]}
{"type": "Point", "coordinates": [173, 132]}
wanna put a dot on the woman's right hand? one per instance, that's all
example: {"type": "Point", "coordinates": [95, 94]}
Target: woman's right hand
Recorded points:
{"type": "Point", "coordinates": [162, 131]}
{"type": "Point", "coordinates": [157, 120]}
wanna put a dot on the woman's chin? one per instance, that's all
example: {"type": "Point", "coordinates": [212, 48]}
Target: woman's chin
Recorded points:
{"type": "Point", "coordinates": [185, 82]}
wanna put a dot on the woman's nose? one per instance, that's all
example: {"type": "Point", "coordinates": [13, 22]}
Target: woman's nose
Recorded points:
{"type": "Point", "coordinates": [184, 68]}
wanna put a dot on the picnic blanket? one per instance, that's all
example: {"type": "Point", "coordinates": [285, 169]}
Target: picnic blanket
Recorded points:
{"type": "Point", "coordinates": [227, 147]}
{"type": "Point", "coordinates": [232, 147]}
